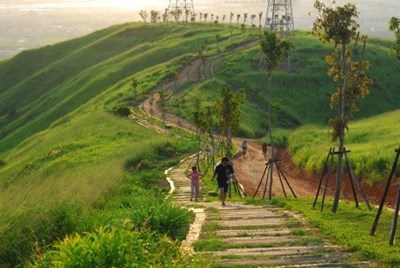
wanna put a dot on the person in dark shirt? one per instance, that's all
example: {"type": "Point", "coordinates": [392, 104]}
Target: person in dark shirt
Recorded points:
{"type": "Point", "coordinates": [223, 172]}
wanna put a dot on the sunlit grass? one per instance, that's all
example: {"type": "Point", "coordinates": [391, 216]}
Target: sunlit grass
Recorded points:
{"type": "Point", "coordinates": [372, 143]}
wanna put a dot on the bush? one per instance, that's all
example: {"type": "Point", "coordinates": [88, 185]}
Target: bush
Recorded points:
{"type": "Point", "coordinates": [2, 163]}
{"type": "Point", "coordinates": [122, 111]}
{"type": "Point", "coordinates": [33, 230]}
{"type": "Point", "coordinates": [164, 217]}
{"type": "Point", "coordinates": [117, 245]}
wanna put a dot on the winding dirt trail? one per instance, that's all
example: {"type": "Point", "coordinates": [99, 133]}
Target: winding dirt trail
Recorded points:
{"type": "Point", "coordinates": [248, 170]}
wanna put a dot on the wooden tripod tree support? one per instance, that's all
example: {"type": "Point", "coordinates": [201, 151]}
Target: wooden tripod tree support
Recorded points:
{"type": "Point", "coordinates": [324, 180]}
{"type": "Point", "coordinates": [382, 203]}
{"type": "Point", "coordinates": [236, 187]}
{"type": "Point", "coordinates": [269, 170]}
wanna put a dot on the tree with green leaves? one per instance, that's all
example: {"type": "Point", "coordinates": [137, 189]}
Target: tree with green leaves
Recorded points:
{"type": "Point", "coordinates": [228, 107]}
{"type": "Point", "coordinates": [394, 26]}
{"type": "Point", "coordinates": [275, 50]}
{"type": "Point", "coordinates": [347, 68]}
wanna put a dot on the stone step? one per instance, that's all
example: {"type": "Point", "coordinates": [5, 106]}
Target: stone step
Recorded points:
{"type": "Point", "coordinates": [289, 261]}
{"type": "Point", "coordinates": [244, 216]}
{"type": "Point", "coordinates": [274, 251]}
{"type": "Point", "coordinates": [253, 232]}
{"type": "Point", "coordinates": [250, 223]}
{"type": "Point", "coordinates": [260, 239]}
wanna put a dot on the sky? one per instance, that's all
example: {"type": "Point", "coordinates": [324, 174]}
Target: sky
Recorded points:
{"type": "Point", "coordinates": [32, 23]}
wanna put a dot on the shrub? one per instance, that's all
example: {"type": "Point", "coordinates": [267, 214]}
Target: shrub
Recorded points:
{"type": "Point", "coordinates": [121, 111]}
{"type": "Point", "coordinates": [2, 163]}
{"type": "Point", "coordinates": [34, 230]}
{"type": "Point", "coordinates": [117, 245]}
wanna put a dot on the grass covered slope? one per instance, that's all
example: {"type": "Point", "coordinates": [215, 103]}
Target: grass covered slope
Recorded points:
{"type": "Point", "coordinates": [303, 94]}
{"type": "Point", "coordinates": [43, 85]}
{"type": "Point", "coordinates": [372, 142]}
{"type": "Point", "coordinates": [70, 165]}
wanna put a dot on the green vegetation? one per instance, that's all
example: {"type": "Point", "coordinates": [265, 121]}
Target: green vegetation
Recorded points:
{"type": "Point", "coordinates": [68, 165]}
{"type": "Point", "coordinates": [350, 227]}
{"type": "Point", "coordinates": [72, 162]}
{"type": "Point", "coordinates": [115, 246]}
{"type": "Point", "coordinates": [302, 100]}
{"type": "Point", "coordinates": [372, 142]}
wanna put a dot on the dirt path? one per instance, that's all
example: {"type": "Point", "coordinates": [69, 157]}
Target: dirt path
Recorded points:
{"type": "Point", "coordinates": [248, 170]}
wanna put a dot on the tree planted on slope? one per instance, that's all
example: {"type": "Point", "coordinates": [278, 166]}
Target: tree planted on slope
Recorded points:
{"type": "Point", "coordinates": [338, 25]}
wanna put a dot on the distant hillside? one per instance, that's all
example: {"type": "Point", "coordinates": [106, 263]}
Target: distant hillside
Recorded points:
{"type": "Point", "coordinates": [303, 94]}
{"type": "Point", "coordinates": [40, 86]}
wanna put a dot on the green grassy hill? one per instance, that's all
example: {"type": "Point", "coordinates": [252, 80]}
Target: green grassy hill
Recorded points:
{"type": "Point", "coordinates": [303, 96]}
{"type": "Point", "coordinates": [68, 164]}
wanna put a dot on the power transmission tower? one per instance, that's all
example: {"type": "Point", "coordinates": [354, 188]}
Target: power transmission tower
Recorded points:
{"type": "Point", "coordinates": [280, 16]}
{"type": "Point", "coordinates": [180, 8]}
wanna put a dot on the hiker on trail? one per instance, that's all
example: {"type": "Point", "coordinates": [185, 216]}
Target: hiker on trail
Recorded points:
{"type": "Point", "coordinates": [264, 149]}
{"type": "Point", "coordinates": [244, 148]}
{"type": "Point", "coordinates": [223, 172]}
{"type": "Point", "coordinates": [195, 178]}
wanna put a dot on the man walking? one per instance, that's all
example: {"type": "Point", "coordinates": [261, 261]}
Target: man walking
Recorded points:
{"type": "Point", "coordinates": [223, 172]}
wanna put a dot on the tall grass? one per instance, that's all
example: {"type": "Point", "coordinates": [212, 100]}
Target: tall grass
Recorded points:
{"type": "Point", "coordinates": [372, 142]}
{"type": "Point", "coordinates": [50, 181]}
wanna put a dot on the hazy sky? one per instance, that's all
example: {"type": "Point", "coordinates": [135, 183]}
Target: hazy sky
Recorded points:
{"type": "Point", "coordinates": [31, 23]}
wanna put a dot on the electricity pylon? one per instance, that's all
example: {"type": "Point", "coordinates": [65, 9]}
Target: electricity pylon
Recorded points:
{"type": "Point", "coordinates": [280, 16]}
{"type": "Point", "coordinates": [180, 8]}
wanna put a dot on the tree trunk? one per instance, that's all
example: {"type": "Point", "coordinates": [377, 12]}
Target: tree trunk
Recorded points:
{"type": "Point", "coordinates": [270, 114]}
{"type": "Point", "coordinates": [342, 116]}
{"type": "Point", "coordinates": [228, 141]}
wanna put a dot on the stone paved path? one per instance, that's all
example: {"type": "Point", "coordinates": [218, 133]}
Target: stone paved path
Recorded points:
{"type": "Point", "coordinates": [240, 235]}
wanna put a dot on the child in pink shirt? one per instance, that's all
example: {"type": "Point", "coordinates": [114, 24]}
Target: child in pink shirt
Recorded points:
{"type": "Point", "coordinates": [195, 178]}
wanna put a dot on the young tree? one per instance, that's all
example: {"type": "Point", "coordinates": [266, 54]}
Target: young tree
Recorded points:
{"type": "Point", "coordinates": [205, 17]}
{"type": "Point", "coordinates": [237, 19]}
{"type": "Point", "coordinates": [165, 16]}
{"type": "Point", "coordinates": [275, 50]}
{"type": "Point", "coordinates": [187, 13]}
{"type": "Point", "coordinates": [200, 16]}
{"type": "Point", "coordinates": [154, 16]}
{"type": "Point", "coordinates": [212, 17]}
{"type": "Point", "coordinates": [231, 15]}
{"type": "Point", "coordinates": [245, 15]}
{"type": "Point", "coordinates": [252, 18]}
{"type": "Point", "coordinates": [163, 102]}
{"type": "Point", "coordinates": [228, 108]}
{"type": "Point", "coordinates": [218, 38]}
{"type": "Point", "coordinates": [193, 17]}
{"type": "Point", "coordinates": [143, 14]}
{"type": "Point", "coordinates": [178, 14]}
{"type": "Point", "coordinates": [134, 83]}
{"type": "Point", "coordinates": [197, 120]}
{"type": "Point", "coordinates": [339, 25]}
{"type": "Point", "coordinates": [394, 26]}
{"type": "Point", "coordinates": [259, 18]}
{"type": "Point", "coordinates": [223, 18]}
